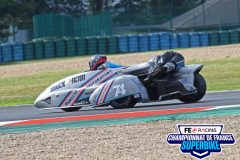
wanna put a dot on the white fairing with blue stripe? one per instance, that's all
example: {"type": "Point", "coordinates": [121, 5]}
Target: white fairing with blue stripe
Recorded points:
{"type": "Point", "coordinates": [74, 89]}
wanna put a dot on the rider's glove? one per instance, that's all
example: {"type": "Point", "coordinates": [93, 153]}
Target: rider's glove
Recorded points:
{"type": "Point", "coordinates": [169, 66]}
{"type": "Point", "coordinates": [158, 71]}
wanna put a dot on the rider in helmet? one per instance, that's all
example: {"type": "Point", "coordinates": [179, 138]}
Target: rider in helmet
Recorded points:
{"type": "Point", "coordinates": [167, 62]}
{"type": "Point", "coordinates": [100, 62]}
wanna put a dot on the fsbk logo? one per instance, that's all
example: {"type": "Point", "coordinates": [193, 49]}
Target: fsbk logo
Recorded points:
{"type": "Point", "coordinates": [190, 130]}
{"type": "Point", "coordinates": [199, 130]}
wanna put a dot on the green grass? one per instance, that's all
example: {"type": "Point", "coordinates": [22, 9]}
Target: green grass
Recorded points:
{"type": "Point", "coordinates": [220, 75]}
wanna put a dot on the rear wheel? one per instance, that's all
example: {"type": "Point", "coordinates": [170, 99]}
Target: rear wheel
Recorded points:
{"type": "Point", "coordinates": [72, 109]}
{"type": "Point", "coordinates": [201, 88]}
{"type": "Point", "coordinates": [126, 102]}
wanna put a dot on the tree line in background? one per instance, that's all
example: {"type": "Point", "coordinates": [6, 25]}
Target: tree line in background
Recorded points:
{"type": "Point", "coordinates": [20, 12]}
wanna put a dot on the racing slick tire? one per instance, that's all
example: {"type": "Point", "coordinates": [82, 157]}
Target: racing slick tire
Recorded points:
{"type": "Point", "coordinates": [125, 102]}
{"type": "Point", "coordinates": [71, 109]}
{"type": "Point", "coordinates": [201, 88]}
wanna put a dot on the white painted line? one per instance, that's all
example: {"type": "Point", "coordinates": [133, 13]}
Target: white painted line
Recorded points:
{"type": "Point", "coordinates": [20, 105]}
{"type": "Point", "coordinates": [227, 106]}
{"type": "Point", "coordinates": [9, 122]}
{"type": "Point", "coordinates": [224, 91]}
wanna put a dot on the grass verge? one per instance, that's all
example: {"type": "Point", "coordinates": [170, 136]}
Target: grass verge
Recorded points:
{"type": "Point", "coordinates": [223, 74]}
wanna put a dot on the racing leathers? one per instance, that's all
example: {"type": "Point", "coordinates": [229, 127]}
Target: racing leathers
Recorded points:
{"type": "Point", "coordinates": [165, 63]}
{"type": "Point", "coordinates": [109, 65]}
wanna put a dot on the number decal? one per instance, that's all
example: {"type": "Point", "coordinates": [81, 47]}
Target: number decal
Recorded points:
{"type": "Point", "coordinates": [119, 89]}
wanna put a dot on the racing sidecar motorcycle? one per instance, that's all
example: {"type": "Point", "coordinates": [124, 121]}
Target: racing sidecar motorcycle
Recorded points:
{"type": "Point", "coordinates": [123, 87]}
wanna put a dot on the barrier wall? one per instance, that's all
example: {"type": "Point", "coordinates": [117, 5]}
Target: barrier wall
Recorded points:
{"type": "Point", "coordinates": [234, 36]}
{"type": "Point", "coordinates": [213, 38]}
{"type": "Point", "coordinates": [39, 49]}
{"type": "Point", "coordinates": [194, 40]}
{"type": "Point", "coordinates": [165, 41]}
{"type": "Point", "coordinates": [143, 43]}
{"type": "Point", "coordinates": [174, 41]}
{"type": "Point", "coordinates": [7, 53]}
{"type": "Point", "coordinates": [204, 38]}
{"type": "Point", "coordinates": [133, 45]}
{"type": "Point", "coordinates": [81, 45]}
{"type": "Point", "coordinates": [184, 40]}
{"type": "Point", "coordinates": [0, 54]}
{"type": "Point", "coordinates": [71, 47]}
{"type": "Point", "coordinates": [18, 52]}
{"type": "Point", "coordinates": [123, 44]}
{"type": "Point", "coordinates": [50, 48]}
{"type": "Point", "coordinates": [112, 44]}
{"type": "Point", "coordinates": [101, 45]}
{"type": "Point", "coordinates": [91, 45]}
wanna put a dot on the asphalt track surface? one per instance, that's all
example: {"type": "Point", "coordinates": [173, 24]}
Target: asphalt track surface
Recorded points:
{"type": "Point", "coordinates": [27, 112]}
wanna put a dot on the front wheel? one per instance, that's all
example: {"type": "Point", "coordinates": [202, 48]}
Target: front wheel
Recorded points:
{"type": "Point", "coordinates": [125, 102]}
{"type": "Point", "coordinates": [71, 109]}
{"type": "Point", "coordinates": [201, 87]}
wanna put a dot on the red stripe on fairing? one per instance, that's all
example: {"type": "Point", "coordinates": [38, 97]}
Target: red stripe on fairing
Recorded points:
{"type": "Point", "coordinates": [111, 75]}
{"type": "Point", "coordinates": [92, 78]}
{"type": "Point", "coordinates": [65, 99]}
{"type": "Point", "coordinates": [83, 85]}
{"type": "Point", "coordinates": [104, 97]}
{"type": "Point", "coordinates": [101, 92]}
{"type": "Point", "coordinates": [89, 82]}
{"type": "Point", "coordinates": [109, 116]}
{"type": "Point", "coordinates": [74, 100]}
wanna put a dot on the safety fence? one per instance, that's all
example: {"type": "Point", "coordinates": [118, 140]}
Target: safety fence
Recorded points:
{"type": "Point", "coordinates": [50, 48]}
{"type": "Point", "coordinates": [57, 25]}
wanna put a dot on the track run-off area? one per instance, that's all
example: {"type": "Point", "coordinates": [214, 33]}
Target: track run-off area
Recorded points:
{"type": "Point", "coordinates": [26, 118]}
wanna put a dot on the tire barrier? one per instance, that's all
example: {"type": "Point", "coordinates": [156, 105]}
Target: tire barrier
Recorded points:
{"type": "Point", "coordinates": [213, 38]}
{"type": "Point", "coordinates": [17, 52]}
{"type": "Point", "coordinates": [123, 44]}
{"type": "Point", "coordinates": [154, 42]}
{"type": "Point", "coordinates": [133, 43]}
{"type": "Point", "coordinates": [61, 47]}
{"type": "Point", "coordinates": [194, 40]}
{"type": "Point", "coordinates": [234, 36]}
{"type": "Point", "coordinates": [71, 47]}
{"type": "Point", "coordinates": [91, 45]}
{"type": "Point", "coordinates": [39, 49]}
{"type": "Point", "coordinates": [28, 50]}
{"type": "Point", "coordinates": [143, 43]}
{"type": "Point", "coordinates": [224, 37]}
{"type": "Point", "coordinates": [81, 46]}
{"type": "Point", "coordinates": [7, 53]}
{"type": "Point", "coordinates": [203, 36]}
{"type": "Point", "coordinates": [1, 55]}
{"type": "Point", "coordinates": [165, 41]}
{"type": "Point", "coordinates": [102, 45]}
{"type": "Point", "coordinates": [184, 40]}
{"type": "Point", "coordinates": [174, 41]}
{"type": "Point", "coordinates": [49, 48]}
{"type": "Point", "coordinates": [112, 43]}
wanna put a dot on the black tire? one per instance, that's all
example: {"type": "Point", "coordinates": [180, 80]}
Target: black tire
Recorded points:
{"type": "Point", "coordinates": [201, 87]}
{"type": "Point", "coordinates": [72, 109]}
{"type": "Point", "coordinates": [126, 102]}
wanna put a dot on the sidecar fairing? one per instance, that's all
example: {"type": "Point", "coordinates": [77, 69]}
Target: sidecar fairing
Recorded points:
{"type": "Point", "coordinates": [74, 90]}
{"type": "Point", "coordinates": [170, 86]}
